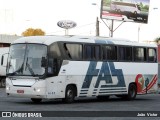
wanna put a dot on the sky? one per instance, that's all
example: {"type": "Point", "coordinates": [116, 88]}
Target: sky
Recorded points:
{"type": "Point", "coordinates": [18, 15]}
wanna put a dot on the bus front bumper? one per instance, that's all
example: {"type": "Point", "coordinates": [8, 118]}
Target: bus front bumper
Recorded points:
{"type": "Point", "coordinates": [26, 92]}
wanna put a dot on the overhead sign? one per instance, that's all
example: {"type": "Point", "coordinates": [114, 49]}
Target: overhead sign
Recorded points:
{"type": "Point", "coordinates": [66, 24]}
{"type": "Point", "coordinates": [126, 10]}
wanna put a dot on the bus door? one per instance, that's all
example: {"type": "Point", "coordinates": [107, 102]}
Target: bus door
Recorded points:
{"type": "Point", "coordinates": [55, 81]}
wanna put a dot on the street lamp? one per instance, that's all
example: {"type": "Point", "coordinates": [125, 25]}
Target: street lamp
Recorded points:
{"type": "Point", "coordinates": [97, 21]}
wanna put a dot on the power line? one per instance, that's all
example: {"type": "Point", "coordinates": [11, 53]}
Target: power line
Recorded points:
{"type": "Point", "coordinates": [74, 28]}
{"type": "Point", "coordinates": [85, 25]}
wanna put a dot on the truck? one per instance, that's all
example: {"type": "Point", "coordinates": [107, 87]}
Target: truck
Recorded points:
{"type": "Point", "coordinates": [3, 63]}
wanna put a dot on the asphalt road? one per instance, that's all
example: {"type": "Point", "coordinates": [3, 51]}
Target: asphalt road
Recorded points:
{"type": "Point", "coordinates": [91, 107]}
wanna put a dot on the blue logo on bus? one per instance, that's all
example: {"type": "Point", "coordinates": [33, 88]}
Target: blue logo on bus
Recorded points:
{"type": "Point", "coordinates": [106, 73]}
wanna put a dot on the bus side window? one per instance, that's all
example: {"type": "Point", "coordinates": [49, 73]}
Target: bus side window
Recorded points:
{"type": "Point", "coordinates": [97, 53]}
{"type": "Point", "coordinates": [125, 53]}
{"type": "Point", "coordinates": [139, 54]}
{"type": "Point", "coordinates": [54, 60]}
{"type": "Point", "coordinates": [52, 66]}
{"type": "Point", "coordinates": [152, 57]}
{"type": "Point", "coordinates": [88, 52]}
{"type": "Point", "coordinates": [74, 51]}
{"type": "Point", "coordinates": [92, 52]}
{"type": "Point", "coordinates": [109, 52]}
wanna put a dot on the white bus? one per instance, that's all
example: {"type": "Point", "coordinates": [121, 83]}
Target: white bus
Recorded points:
{"type": "Point", "coordinates": [125, 7]}
{"type": "Point", "coordinates": [3, 63]}
{"type": "Point", "coordinates": [50, 67]}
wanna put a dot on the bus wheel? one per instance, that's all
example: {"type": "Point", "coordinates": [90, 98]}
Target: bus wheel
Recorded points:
{"type": "Point", "coordinates": [3, 82]}
{"type": "Point", "coordinates": [135, 13]}
{"type": "Point", "coordinates": [36, 100]}
{"type": "Point", "coordinates": [69, 95]}
{"type": "Point", "coordinates": [132, 92]}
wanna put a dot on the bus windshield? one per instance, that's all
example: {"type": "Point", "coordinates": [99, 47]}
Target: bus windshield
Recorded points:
{"type": "Point", "coordinates": [27, 60]}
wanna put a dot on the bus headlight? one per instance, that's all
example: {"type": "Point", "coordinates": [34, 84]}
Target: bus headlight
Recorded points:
{"type": "Point", "coordinates": [37, 89]}
{"type": "Point", "coordinates": [7, 88]}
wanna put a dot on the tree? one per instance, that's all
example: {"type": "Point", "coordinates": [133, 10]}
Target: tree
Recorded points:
{"type": "Point", "coordinates": [146, 7]}
{"type": "Point", "coordinates": [33, 32]}
{"type": "Point", "coordinates": [157, 40]}
{"type": "Point", "coordinates": [106, 2]}
{"type": "Point", "coordinates": [141, 5]}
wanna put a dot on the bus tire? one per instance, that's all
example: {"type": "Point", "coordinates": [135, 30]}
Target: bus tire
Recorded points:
{"type": "Point", "coordinates": [135, 12]}
{"type": "Point", "coordinates": [69, 94]}
{"type": "Point", "coordinates": [36, 100]}
{"type": "Point", "coordinates": [132, 92]}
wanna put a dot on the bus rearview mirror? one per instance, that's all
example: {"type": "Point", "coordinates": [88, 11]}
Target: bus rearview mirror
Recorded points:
{"type": "Point", "coordinates": [43, 62]}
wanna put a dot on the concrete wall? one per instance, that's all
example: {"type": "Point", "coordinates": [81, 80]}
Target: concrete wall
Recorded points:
{"type": "Point", "coordinates": [7, 39]}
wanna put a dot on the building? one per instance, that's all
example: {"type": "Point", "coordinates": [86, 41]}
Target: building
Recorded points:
{"type": "Point", "coordinates": [6, 40]}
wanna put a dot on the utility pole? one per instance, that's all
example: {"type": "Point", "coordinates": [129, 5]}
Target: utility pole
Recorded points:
{"type": "Point", "coordinates": [138, 31]}
{"type": "Point", "coordinates": [97, 27]}
{"type": "Point", "coordinates": [111, 28]}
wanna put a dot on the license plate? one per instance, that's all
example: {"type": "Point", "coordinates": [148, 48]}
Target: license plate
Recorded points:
{"type": "Point", "coordinates": [20, 91]}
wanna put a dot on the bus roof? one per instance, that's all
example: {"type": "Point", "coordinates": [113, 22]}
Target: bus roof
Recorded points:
{"type": "Point", "coordinates": [47, 40]}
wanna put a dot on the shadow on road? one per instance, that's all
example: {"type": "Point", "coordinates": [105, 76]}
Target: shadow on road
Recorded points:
{"type": "Point", "coordinates": [81, 101]}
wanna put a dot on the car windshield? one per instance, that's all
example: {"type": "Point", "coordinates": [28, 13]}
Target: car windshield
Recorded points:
{"type": "Point", "coordinates": [27, 60]}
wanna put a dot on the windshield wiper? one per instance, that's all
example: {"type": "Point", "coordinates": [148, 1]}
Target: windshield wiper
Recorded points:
{"type": "Point", "coordinates": [20, 70]}
{"type": "Point", "coordinates": [29, 68]}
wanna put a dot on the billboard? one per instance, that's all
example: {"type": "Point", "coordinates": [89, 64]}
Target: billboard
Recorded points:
{"type": "Point", "coordinates": [125, 10]}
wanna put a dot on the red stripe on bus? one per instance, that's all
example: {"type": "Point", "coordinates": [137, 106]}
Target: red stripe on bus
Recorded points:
{"type": "Point", "coordinates": [154, 80]}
